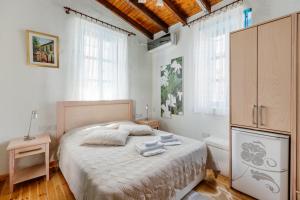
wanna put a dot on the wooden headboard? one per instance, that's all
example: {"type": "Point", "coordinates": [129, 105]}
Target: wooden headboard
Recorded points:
{"type": "Point", "coordinates": [73, 114]}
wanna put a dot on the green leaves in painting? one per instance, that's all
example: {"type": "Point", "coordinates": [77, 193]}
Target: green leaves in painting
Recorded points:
{"type": "Point", "coordinates": [172, 88]}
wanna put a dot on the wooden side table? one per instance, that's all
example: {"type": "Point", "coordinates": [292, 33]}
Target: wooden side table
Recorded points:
{"type": "Point", "coordinates": [150, 122]}
{"type": "Point", "coordinates": [19, 149]}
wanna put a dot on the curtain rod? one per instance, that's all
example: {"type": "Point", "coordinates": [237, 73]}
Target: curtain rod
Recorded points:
{"type": "Point", "coordinates": [211, 13]}
{"type": "Point", "coordinates": [113, 27]}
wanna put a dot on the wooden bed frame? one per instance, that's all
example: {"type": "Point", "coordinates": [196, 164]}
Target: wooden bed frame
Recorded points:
{"type": "Point", "coordinates": [73, 114]}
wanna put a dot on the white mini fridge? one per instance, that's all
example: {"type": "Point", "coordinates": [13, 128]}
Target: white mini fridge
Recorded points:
{"type": "Point", "coordinates": [260, 164]}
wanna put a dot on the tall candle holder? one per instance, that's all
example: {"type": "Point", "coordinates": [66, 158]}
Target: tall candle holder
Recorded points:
{"type": "Point", "coordinates": [34, 115]}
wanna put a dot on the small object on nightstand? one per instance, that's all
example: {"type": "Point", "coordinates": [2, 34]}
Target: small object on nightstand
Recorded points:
{"type": "Point", "coordinates": [147, 112]}
{"type": "Point", "coordinates": [34, 115]}
{"type": "Point", "coordinates": [20, 148]}
{"type": "Point", "coordinates": [150, 122]}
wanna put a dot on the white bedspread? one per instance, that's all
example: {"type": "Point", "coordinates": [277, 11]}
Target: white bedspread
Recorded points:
{"type": "Point", "coordinates": [119, 172]}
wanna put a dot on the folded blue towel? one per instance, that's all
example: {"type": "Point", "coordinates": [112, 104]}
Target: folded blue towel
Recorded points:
{"type": "Point", "coordinates": [142, 148]}
{"type": "Point", "coordinates": [168, 140]}
{"type": "Point", "coordinates": [166, 136]}
{"type": "Point", "coordinates": [151, 143]}
{"type": "Point", "coordinates": [153, 152]}
{"type": "Point", "coordinates": [172, 143]}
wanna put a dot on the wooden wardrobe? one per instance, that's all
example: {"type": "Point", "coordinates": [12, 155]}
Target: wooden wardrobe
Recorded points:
{"type": "Point", "coordinates": [265, 83]}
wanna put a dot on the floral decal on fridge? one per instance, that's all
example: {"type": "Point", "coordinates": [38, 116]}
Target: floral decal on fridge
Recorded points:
{"type": "Point", "coordinates": [254, 156]}
{"type": "Point", "coordinates": [172, 88]}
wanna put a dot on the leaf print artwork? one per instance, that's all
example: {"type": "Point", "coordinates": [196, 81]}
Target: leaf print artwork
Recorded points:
{"type": "Point", "coordinates": [171, 100]}
{"type": "Point", "coordinates": [163, 68]}
{"type": "Point", "coordinates": [176, 67]}
{"type": "Point", "coordinates": [179, 94]}
{"type": "Point", "coordinates": [166, 111]}
{"type": "Point", "coordinates": [171, 84]}
{"type": "Point", "coordinates": [164, 81]}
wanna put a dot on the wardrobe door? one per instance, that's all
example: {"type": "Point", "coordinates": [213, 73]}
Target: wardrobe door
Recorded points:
{"type": "Point", "coordinates": [298, 117]}
{"type": "Point", "coordinates": [274, 75]}
{"type": "Point", "coordinates": [243, 77]}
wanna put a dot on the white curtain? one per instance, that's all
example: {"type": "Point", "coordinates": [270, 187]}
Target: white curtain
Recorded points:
{"type": "Point", "coordinates": [211, 60]}
{"type": "Point", "coordinates": [98, 63]}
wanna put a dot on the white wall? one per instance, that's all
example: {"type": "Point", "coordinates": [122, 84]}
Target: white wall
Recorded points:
{"type": "Point", "coordinates": [268, 9]}
{"type": "Point", "coordinates": [140, 75]}
{"type": "Point", "coordinates": [25, 88]}
{"type": "Point", "coordinates": [191, 124]}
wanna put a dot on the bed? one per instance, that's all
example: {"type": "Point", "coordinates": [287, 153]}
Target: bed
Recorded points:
{"type": "Point", "coordinates": [119, 172]}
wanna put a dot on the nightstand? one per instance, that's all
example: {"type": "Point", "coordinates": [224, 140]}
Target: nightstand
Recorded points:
{"type": "Point", "coordinates": [150, 122]}
{"type": "Point", "coordinates": [19, 149]}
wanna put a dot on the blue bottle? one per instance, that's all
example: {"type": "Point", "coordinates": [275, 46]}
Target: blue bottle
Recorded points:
{"type": "Point", "coordinates": [247, 17]}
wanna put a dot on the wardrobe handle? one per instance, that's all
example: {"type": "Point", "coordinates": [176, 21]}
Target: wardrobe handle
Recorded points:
{"type": "Point", "coordinates": [261, 115]}
{"type": "Point", "coordinates": [253, 114]}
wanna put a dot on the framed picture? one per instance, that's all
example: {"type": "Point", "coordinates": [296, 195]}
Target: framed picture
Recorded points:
{"type": "Point", "coordinates": [171, 84]}
{"type": "Point", "coordinates": [42, 49]}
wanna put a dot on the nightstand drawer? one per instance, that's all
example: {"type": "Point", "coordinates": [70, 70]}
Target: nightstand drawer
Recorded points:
{"type": "Point", "coordinates": [27, 151]}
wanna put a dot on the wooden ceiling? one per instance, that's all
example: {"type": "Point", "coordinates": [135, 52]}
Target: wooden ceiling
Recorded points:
{"type": "Point", "coordinates": [150, 18]}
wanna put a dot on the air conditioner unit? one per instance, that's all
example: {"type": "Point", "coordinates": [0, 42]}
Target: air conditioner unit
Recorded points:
{"type": "Point", "coordinates": [162, 42]}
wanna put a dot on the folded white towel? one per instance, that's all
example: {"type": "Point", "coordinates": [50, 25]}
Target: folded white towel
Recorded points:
{"type": "Point", "coordinates": [166, 136]}
{"type": "Point", "coordinates": [151, 143]}
{"type": "Point", "coordinates": [169, 140]}
{"type": "Point", "coordinates": [172, 143]}
{"type": "Point", "coordinates": [153, 152]}
{"type": "Point", "coordinates": [142, 148]}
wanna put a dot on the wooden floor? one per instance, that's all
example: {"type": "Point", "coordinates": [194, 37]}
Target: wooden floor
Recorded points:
{"type": "Point", "coordinates": [218, 189]}
{"type": "Point", "coordinates": [57, 189]}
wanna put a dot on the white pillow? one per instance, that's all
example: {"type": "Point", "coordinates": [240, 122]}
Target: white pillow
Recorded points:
{"type": "Point", "coordinates": [136, 129]}
{"type": "Point", "coordinates": [106, 137]}
{"type": "Point", "coordinates": [88, 129]}
{"type": "Point", "coordinates": [96, 128]}
{"type": "Point", "coordinates": [105, 126]}
{"type": "Point", "coordinates": [115, 125]}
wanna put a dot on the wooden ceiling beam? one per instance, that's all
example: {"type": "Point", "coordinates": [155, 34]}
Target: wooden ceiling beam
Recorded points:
{"type": "Point", "coordinates": [178, 13]}
{"type": "Point", "coordinates": [205, 5]}
{"type": "Point", "coordinates": [142, 8]}
{"type": "Point", "coordinates": [126, 18]}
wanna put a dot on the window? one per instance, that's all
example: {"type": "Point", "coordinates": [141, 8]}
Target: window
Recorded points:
{"type": "Point", "coordinates": [211, 60]}
{"type": "Point", "coordinates": [99, 63]}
